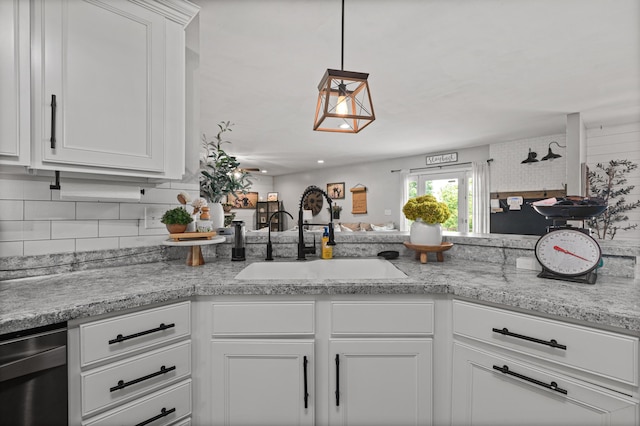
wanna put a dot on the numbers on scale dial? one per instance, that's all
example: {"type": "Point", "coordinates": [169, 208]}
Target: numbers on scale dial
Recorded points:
{"type": "Point", "coordinates": [568, 252]}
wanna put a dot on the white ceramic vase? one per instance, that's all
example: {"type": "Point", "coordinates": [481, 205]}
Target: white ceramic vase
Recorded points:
{"type": "Point", "coordinates": [217, 215]}
{"type": "Point", "coordinates": [425, 234]}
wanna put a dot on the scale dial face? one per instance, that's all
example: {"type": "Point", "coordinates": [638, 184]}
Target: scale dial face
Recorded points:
{"type": "Point", "coordinates": [568, 252]}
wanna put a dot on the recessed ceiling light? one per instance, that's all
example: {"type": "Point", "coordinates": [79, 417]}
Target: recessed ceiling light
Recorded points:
{"type": "Point", "coordinates": [263, 171]}
{"type": "Point", "coordinates": [320, 161]}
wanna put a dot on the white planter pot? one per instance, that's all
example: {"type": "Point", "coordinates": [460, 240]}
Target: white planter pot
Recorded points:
{"type": "Point", "coordinates": [425, 234]}
{"type": "Point", "coordinates": [217, 215]}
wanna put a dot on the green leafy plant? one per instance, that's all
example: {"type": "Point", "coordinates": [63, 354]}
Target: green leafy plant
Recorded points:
{"type": "Point", "coordinates": [609, 183]}
{"type": "Point", "coordinates": [177, 216]}
{"type": "Point", "coordinates": [220, 174]}
{"type": "Point", "coordinates": [427, 209]}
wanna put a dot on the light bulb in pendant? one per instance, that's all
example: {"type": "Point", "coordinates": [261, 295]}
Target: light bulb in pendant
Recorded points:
{"type": "Point", "coordinates": [342, 108]}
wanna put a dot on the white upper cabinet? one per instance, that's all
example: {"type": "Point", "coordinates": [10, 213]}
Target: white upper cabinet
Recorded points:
{"type": "Point", "coordinates": [108, 86]}
{"type": "Point", "coordinates": [14, 82]}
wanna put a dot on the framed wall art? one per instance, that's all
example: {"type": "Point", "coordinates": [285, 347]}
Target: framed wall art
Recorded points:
{"type": "Point", "coordinates": [335, 190]}
{"type": "Point", "coordinates": [272, 196]}
{"type": "Point", "coordinates": [244, 201]}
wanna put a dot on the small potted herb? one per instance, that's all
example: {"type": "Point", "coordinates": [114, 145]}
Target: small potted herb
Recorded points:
{"type": "Point", "coordinates": [176, 220]}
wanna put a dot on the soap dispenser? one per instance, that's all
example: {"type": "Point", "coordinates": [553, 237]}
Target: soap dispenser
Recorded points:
{"type": "Point", "coordinates": [237, 251]}
{"type": "Point", "coordinates": [327, 250]}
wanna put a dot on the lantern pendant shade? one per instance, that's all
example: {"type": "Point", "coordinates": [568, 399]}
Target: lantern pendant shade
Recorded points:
{"type": "Point", "coordinates": [344, 102]}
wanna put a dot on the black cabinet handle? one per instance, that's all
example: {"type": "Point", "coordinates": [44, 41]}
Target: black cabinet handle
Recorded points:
{"type": "Point", "coordinates": [337, 380]}
{"type": "Point", "coordinates": [553, 343]}
{"type": "Point", "coordinates": [53, 121]}
{"type": "Point", "coordinates": [306, 392]}
{"type": "Point", "coordinates": [163, 413]}
{"type": "Point", "coordinates": [122, 384]}
{"type": "Point", "coordinates": [120, 338]}
{"type": "Point", "coordinates": [553, 385]}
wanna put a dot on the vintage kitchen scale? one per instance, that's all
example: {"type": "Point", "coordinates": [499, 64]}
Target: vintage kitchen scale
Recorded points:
{"type": "Point", "coordinates": [566, 252]}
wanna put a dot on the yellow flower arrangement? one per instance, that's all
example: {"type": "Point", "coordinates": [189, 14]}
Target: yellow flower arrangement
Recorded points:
{"type": "Point", "coordinates": [426, 208]}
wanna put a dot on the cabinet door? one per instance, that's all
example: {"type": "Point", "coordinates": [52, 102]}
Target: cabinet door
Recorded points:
{"type": "Point", "coordinates": [380, 382]}
{"type": "Point", "coordinates": [14, 82]}
{"type": "Point", "coordinates": [104, 62]}
{"type": "Point", "coordinates": [484, 395]}
{"type": "Point", "coordinates": [262, 383]}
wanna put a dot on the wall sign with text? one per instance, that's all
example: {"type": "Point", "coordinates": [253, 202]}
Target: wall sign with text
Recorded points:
{"type": "Point", "coordinates": [451, 157]}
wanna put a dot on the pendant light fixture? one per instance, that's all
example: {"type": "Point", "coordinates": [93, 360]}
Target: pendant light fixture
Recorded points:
{"type": "Point", "coordinates": [344, 102]}
{"type": "Point", "coordinates": [531, 158]}
{"type": "Point", "coordinates": [551, 155]}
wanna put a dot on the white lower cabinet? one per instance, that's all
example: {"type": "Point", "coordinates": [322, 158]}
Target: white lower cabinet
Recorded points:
{"type": "Point", "coordinates": [380, 382]}
{"type": "Point", "coordinates": [273, 362]}
{"type": "Point", "coordinates": [131, 368]}
{"type": "Point", "coordinates": [513, 368]}
{"type": "Point", "coordinates": [492, 389]}
{"type": "Point", "coordinates": [263, 383]}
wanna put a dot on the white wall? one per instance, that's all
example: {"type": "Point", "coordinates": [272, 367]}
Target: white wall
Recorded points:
{"type": "Point", "coordinates": [508, 174]}
{"type": "Point", "coordinates": [383, 186]}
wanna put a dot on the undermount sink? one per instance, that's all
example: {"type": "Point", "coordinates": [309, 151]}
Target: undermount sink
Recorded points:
{"type": "Point", "coordinates": [328, 269]}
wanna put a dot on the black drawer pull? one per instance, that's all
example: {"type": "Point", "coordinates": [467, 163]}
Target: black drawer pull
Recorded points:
{"type": "Point", "coordinates": [163, 413]}
{"type": "Point", "coordinates": [306, 391]}
{"type": "Point", "coordinates": [122, 384]}
{"type": "Point", "coordinates": [553, 385]}
{"type": "Point", "coordinates": [120, 338]}
{"type": "Point", "coordinates": [553, 343]}
{"type": "Point", "coordinates": [337, 380]}
{"type": "Point", "coordinates": [53, 121]}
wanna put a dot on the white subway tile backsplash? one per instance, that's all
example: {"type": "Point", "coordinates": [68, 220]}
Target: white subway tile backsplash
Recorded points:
{"type": "Point", "coordinates": [49, 210]}
{"type": "Point", "coordinates": [142, 241]}
{"type": "Point", "coordinates": [11, 248]}
{"type": "Point", "coordinates": [142, 231]}
{"type": "Point", "coordinates": [61, 229]}
{"type": "Point", "coordinates": [36, 230]}
{"type": "Point", "coordinates": [35, 248]}
{"type": "Point", "coordinates": [14, 230]}
{"type": "Point", "coordinates": [22, 189]}
{"type": "Point", "coordinates": [90, 210]}
{"type": "Point", "coordinates": [117, 228]}
{"type": "Point", "coordinates": [11, 209]}
{"type": "Point", "coordinates": [132, 211]}
{"type": "Point", "coordinates": [90, 244]}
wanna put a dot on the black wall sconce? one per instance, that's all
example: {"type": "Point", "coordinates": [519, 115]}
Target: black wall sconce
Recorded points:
{"type": "Point", "coordinates": [531, 158]}
{"type": "Point", "coordinates": [551, 155]}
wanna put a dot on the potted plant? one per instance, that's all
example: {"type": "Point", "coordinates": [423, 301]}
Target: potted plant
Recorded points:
{"type": "Point", "coordinates": [427, 213]}
{"type": "Point", "coordinates": [220, 174]}
{"type": "Point", "coordinates": [176, 220]}
{"type": "Point", "coordinates": [335, 210]}
{"type": "Point", "coordinates": [609, 182]}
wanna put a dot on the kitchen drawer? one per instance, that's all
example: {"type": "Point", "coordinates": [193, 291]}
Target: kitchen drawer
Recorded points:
{"type": "Point", "coordinates": [603, 353]}
{"type": "Point", "coordinates": [165, 406]}
{"type": "Point", "coordinates": [98, 385]}
{"type": "Point", "coordinates": [99, 340]}
{"type": "Point", "coordinates": [382, 318]}
{"type": "Point", "coordinates": [263, 318]}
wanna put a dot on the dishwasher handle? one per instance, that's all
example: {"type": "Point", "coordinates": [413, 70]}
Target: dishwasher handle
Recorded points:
{"type": "Point", "coordinates": [34, 363]}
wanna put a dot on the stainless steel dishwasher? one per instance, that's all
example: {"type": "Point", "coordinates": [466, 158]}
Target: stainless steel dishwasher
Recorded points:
{"type": "Point", "coordinates": [33, 377]}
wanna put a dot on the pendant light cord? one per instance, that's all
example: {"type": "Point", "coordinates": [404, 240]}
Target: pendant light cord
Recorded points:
{"type": "Point", "coordinates": [342, 46]}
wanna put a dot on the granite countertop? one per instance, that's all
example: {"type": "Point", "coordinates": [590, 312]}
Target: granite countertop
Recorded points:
{"type": "Point", "coordinates": [32, 302]}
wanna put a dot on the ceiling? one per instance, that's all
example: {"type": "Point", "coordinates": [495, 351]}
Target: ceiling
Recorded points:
{"type": "Point", "coordinates": [444, 74]}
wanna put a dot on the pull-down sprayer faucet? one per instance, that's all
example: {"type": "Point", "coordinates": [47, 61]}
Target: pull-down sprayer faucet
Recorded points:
{"type": "Point", "coordinates": [269, 246]}
{"type": "Point", "coordinates": [302, 248]}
